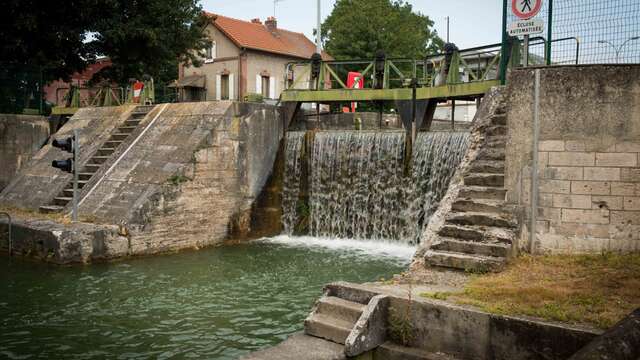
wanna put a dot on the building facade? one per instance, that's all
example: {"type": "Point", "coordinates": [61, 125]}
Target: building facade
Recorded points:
{"type": "Point", "coordinates": [245, 57]}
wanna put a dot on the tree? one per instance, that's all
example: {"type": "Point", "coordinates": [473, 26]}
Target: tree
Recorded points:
{"type": "Point", "coordinates": [357, 29]}
{"type": "Point", "coordinates": [148, 37]}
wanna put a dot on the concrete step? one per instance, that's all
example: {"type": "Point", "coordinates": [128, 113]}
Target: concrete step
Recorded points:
{"type": "Point", "coordinates": [118, 137]}
{"type": "Point", "coordinates": [392, 351]}
{"type": "Point", "coordinates": [499, 119]}
{"type": "Point", "coordinates": [486, 234]}
{"type": "Point", "coordinates": [105, 151]}
{"type": "Point", "coordinates": [484, 179]}
{"type": "Point", "coordinates": [480, 218]}
{"type": "Point", "coordinates": [51, 209]}
{"type": "Point", "coordinates": [112, 143]}
{"type": "Point", "coordinates": [99, 159]}
{"type": "Point", "coordinates": [91, 168]}
{"type": "Point", "coordinates": [467, 262]}
{"type": "Point", "coordinates": [478, 205]}
{"type": "Point", "coordinates": [487, 166]}
{"type": "Point", "coordinates": [482, 192]}
{"type": "Point", "coordinates": [340, 308]}
{"type": "Point", "coordinates": [472, 247]}
{"type": "Point", "coordinates": [61, 200]}
{"type": "Point", "coordinates": [132, 122]}
{"type": "Point", "coordinates": [143, 108]}
{"type": "Point", "coordinates": [495, 141]}
{"type": "Point", "coordinates": [85, 175]}
{"type": "Point", "coordinates": [490, 153]}
{"type": "Point", "coordinates": [496, 130]}
{"type": "Point", "coordinates": [327, 327]}
{"type": "Point", "coordinates": [126, 129]}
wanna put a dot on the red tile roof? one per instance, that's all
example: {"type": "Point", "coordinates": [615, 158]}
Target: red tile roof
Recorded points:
{"type": "Point", "coordinates": [256, 36]}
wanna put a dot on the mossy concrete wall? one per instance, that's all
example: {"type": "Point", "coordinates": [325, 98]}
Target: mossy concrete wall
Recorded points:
{"type": "Point", "coordinates": [188, 174]}
{"type": "Point", "coordinates": [589, 157]}
{"type": "Point", "coordinates": [21, 136]}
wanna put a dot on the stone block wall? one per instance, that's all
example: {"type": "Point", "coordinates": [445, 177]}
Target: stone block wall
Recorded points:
{"type": "Point", "coordinates": [588, 158]}
{"type": "Point", "coordinates": [589, 198]}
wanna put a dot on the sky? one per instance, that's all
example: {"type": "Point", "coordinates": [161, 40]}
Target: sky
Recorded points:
{"type": "Point", "coordinates": [472, 22]}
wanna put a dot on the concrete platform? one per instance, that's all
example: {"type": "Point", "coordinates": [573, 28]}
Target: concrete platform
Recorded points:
{"type": "Point", "coordinates": [300, 346]}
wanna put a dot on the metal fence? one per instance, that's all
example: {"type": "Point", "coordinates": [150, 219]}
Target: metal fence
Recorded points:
{"type": "Point", "coordinates": [586, 32]}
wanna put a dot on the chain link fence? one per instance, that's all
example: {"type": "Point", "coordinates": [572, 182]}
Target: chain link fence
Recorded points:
{"type": "Point", "coordinates": [586, 31]}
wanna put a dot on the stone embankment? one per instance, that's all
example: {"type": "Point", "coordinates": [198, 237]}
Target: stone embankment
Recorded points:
{"type": "Point", "coordinates": [171, 177]}
{"type": "Point", "coordinates": [21, 136]}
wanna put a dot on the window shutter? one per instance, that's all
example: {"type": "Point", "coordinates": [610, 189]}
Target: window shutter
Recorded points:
{"type": "Point", "coordinates": [214, 50]}
{"type": "Point", "coordinates": [218, 87]}
{"type": "Point", "coordinates": [231, 87]}
{"type": "Point", "coordinates": [258, 84]}
{"type": "Point", "coordinates": [272, 87]}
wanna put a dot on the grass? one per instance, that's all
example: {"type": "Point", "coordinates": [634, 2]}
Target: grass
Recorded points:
{"type": "Point", "coordinates": [598, 290]}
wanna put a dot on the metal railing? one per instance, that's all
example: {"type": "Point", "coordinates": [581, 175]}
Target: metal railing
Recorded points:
{"type": "Point", "coordinates": [473, 65]}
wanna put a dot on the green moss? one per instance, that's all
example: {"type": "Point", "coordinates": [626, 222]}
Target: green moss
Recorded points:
{"type": "Point", "coordinates": [179, 179]}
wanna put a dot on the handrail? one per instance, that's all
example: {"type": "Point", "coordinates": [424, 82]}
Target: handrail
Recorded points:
{"type": "Point", "coordinates": [10, 240]}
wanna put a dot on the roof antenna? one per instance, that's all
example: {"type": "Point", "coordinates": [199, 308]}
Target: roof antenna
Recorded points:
{"type": "Point", "coordinates": [274, 6]}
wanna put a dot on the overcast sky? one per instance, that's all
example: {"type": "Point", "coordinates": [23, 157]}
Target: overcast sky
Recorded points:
{"type": "Point", "coordinates": [473, 22]}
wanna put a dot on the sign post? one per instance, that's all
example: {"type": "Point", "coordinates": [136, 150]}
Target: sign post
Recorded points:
{"type": "Point", "coordinates": [525, 10]}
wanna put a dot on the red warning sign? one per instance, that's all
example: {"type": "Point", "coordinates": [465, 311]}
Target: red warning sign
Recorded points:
{"type": "Point", "coordinates": [526, 9]}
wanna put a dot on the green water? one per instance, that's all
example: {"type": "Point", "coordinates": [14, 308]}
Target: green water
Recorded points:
{"type": "Point", "coordinates": [217, 303]}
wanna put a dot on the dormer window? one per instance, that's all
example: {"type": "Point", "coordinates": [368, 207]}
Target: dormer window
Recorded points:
{"type": "Point", "coordinates": [210, 53]}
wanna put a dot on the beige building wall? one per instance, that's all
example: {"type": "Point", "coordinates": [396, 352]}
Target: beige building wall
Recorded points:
{"type": "Point", "coordinates": [260, 63]}
{"type": "Point", "coordinates": [227, 60]}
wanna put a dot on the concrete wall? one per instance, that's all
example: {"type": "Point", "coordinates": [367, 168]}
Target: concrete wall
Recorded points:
{"type": "Point", "coordinates": [588, 149]}
{"type": "Point", "coordinates": [38, 183]}
{"type": "Point", "coordinates": [21, 136]}
{"type": "Point", "coordinates": [187, 174]}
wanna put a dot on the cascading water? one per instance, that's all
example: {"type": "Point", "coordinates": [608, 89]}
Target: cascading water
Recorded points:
{"type": "Point", "coordinates": [358, 187]}
{"type": "Point", "coordinates": [293, 173]}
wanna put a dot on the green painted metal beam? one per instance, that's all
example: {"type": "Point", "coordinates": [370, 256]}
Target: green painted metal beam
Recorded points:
{"type": "Point", "coordinates": [61, 110]}
{"type": "Point", "coordinates": [347, 95]}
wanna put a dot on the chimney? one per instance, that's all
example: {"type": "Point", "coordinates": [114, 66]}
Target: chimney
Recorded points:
{"type": "Point", "coordinates": [256, 21]}
{"type": "Point", "coordinates": [271, 24]}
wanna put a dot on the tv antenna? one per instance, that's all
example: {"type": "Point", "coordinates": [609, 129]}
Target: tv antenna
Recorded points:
{"type": "Point", "coordinates": [275, 2]}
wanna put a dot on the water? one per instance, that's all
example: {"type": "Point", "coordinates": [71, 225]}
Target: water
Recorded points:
{"type": "Point", "coordinates": [359, 187]}
{"type": "Point", "coordinates": [216, 303]}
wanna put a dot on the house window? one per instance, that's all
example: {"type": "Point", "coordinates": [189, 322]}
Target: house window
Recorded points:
{"type": "Point", "coordinates": [210, 53]}
{"type": "Point", "coordinates": [224, 87]}
{"type": "Point", "coordinates": [265, 87]}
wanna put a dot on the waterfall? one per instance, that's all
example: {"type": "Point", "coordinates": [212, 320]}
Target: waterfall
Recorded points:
{"type": "Point", "coordinates": [358, 187]}
{"type": "Point", "coordinates": [293, 174]}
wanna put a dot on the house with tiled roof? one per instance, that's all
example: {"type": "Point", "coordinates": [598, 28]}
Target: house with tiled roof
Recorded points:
{"type": "Point", "coordinates": [245, 57]}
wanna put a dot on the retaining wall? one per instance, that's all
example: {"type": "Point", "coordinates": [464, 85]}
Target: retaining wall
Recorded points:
{"type": "Point", "coordinates": [21, 136]}
{"type": "Point", "coordinates": [589, 157]}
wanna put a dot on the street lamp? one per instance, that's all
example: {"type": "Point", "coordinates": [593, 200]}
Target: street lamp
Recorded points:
{"type": "Point", "coordinates": [616, 48]}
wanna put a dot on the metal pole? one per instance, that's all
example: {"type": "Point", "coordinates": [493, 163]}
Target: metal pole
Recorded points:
{"type": "Point", "coordinates": [525, 46]}
{"type": "Point", "coordinates": [318, 37]}
{"type": "Point", "coordinates": [504, 57]}
{"type": "Point", "coordinates": [549, 32]}
{"type": "Point", "coordinates": [453, 114]}
{"type": "Point", "coordinates": [414, 85]}
{"type": "Point", "coordinates": [76, 150]}
{"type": "Point", "coordinates": [534, 165]}
{"type": "Point", "coordinates": [447, 29]}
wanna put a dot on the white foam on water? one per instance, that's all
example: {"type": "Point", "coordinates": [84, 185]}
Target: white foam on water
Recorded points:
{"type": "Point", "coordinates": [396, 250]}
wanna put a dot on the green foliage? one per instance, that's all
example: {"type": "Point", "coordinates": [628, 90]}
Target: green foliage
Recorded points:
{"type": "Point", "coordinates": [149, 37]}
{"type": "Point", "coordinates": [401, 328]}
{"type": "Point", "coordinates": [436, 295]}
{"type": "Point", "coordinates": [179, 179]}
{"type": "Point", "coordinates": [254, 98]}
{"type": "Point", "coordinates": [357, 29]}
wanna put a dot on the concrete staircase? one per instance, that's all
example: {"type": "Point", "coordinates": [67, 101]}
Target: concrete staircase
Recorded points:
{"type": "Point", "coordinates": [333, 319]}
{"type": "Point", "coordinates": [99, 158]}
{"type": "Point", "coordinates": [478, 233]}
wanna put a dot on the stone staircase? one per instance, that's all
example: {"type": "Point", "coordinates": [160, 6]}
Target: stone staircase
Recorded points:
{"type": "Point", "coordinates": [333, 319]}
{"type": "Point", "coordinates": [99, 158]}
{"type": "Point", "coordinates": [478, 233]}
